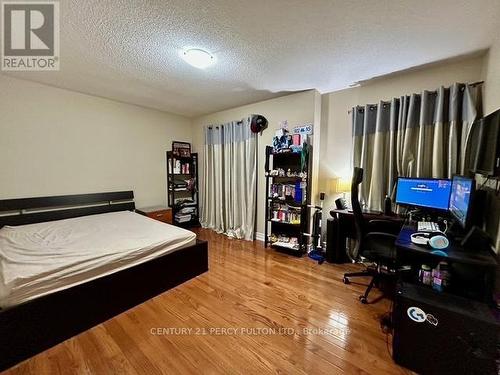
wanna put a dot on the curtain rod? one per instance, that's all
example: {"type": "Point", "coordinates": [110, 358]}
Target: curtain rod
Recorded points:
{"type": "Point", "coordinates": [470, 84]}
{"type": "Point", "coordinates": [240, 122]}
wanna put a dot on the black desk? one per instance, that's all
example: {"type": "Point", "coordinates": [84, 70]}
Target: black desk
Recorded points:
{"type": "Point", "coordinates": [341, 227]}
{"type": "Point", "coordinates": [477, 265]}
{"type": "Point", "coordinates": [463, 337]}
{"type": "Point", "coordinates": [454, 253]}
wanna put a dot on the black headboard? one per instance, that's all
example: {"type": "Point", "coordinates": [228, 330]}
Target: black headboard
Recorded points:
{"type": "Point", "coordinates": [35, 210]}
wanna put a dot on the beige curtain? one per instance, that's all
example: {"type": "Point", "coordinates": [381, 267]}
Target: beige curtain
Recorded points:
{"type": "Point", "coordinates": [230, 180]}
{"type": "Point", "coordinates": [421, 135]}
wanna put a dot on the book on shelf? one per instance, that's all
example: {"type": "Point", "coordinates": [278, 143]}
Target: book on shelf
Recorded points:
{"type": "Point", "coordinates": [179, 167]}
{"type": "Point", "coordinates": [295, 192]}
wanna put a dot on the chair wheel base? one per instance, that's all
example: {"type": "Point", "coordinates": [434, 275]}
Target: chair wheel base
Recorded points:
{"type": "Point", "coordinates": [363, 300]}
{"type": "Point", "coordinates": [346, 280]}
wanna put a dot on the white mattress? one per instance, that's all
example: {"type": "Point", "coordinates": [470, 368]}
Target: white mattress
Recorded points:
{"type": "Point", "coordinates": [43, 258]}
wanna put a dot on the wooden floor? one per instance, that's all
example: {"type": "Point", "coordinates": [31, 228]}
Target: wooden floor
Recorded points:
{"type": "Point", "coordinates": [255, 312]}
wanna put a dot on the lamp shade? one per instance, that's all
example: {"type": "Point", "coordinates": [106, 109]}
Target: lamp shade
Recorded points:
{"type": "Point", "coordinates": [343, 185]}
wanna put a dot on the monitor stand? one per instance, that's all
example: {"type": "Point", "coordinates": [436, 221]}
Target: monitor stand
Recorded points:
{"type": "Point", "coordinates": [476, 238]}
{"type": "Point", "coordinates": [455, 232]}
{"type": "Point", "coordinates": [470, 239]}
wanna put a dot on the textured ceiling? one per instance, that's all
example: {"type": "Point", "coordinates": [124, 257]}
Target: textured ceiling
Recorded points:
{"type": "Point", "coordinates": [129, 50]}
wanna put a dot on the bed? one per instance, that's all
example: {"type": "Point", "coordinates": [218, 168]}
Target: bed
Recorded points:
{"type": "Point", "coordinates": [68, 263]}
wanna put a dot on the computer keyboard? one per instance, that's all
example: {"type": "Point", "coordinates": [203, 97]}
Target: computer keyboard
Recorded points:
{"type": "Point", "coordinates": [427, 226]}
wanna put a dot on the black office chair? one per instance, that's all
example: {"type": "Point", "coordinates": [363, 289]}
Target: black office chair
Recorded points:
{"type": "Point", "coordinates": [375, 241]}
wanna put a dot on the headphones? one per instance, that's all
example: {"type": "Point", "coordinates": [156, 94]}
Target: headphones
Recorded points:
{"type": "Point", "coordinates": [435, 240]}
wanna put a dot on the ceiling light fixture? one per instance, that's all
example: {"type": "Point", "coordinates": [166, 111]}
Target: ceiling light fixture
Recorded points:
{"type": "Point", "coordinates": [198, 58]}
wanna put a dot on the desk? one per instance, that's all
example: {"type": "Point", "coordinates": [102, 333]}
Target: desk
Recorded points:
{"type": "Point", "coordinates": [474, 269]}
{"type": "Point", "coordinates": [341, 227]}
{"type": "Point", "coordinates": [457, 335]}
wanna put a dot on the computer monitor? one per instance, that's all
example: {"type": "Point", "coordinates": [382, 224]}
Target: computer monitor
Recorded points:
{"type": "Point", "coordinates": [462, 189]}
{"type": "Point", "coordinates": [424, 192]}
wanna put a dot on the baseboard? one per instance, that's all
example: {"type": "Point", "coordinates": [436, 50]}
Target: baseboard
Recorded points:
{"type": "Point", "coordinates": [259, 236]}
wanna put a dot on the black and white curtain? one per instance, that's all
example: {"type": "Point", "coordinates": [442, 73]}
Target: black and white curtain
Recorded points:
{"type": "Point", "coordinates": [229, 194]}
{"type": "Point", "coordinates": [420, 135]}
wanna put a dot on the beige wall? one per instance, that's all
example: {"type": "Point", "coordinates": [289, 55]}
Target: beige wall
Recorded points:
{"type": "Point", "coordinates": [336, 150]}
{"type": "Point", "coordinates": [55, 141]}
{"type": "Point", "coordinates": [491, 75]}
{"type": "Point", "coordinates": [297, 108]}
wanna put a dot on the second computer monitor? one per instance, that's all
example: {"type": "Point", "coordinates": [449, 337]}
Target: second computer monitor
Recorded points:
{"type": "Point", "coordinates": [424, 192]}
{"type": "Point", "coordinates": [462, 189]}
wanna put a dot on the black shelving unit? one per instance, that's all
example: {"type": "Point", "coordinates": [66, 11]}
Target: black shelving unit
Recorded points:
{"type": "Point", "coordinates": [182, 197]}
{"type": "Point", "coordinates": [295, 221]}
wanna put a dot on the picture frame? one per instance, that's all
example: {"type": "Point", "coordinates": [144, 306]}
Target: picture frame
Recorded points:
{"type": "Point", "coordinates": [181, 149]}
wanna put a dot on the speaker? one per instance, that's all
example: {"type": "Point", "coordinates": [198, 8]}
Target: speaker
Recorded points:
{"type": "Point", "coordinates": [443, 334]}
{"type": "Point", "coordinates": [269, 151]}
{"type": "Point", "coordinates": [335, 251]}
{"type": "Point", "coordinates": [331, 230]}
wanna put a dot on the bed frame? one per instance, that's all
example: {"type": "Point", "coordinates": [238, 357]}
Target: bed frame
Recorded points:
{"type": "Point", "coordinates": [34, 326]}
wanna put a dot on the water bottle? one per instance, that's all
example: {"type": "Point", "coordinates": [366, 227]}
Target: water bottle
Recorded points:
{"type": "Point", "coordinates": [387, 206]}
